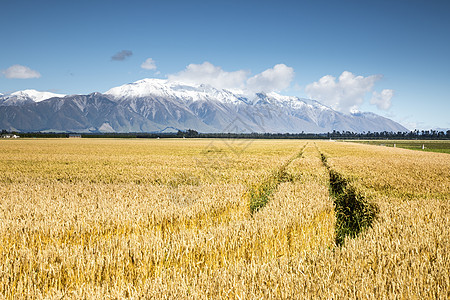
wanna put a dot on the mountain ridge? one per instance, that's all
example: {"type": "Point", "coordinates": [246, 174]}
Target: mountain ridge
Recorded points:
{"type": "Point", "coordinates": [150, 105]}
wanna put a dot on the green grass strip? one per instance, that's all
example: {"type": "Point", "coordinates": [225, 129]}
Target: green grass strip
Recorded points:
{"type": "Point", "coordinates": [259, 195]}
{"type": "Point", "coordinates": [353, 212]}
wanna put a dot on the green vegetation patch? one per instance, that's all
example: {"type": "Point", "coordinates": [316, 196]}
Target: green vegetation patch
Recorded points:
{"type": "Point", "coordinates": [353, 212]}
{"type": "Point", "coordinates": [422, 145]}
{"type": "Point", "coordinates": [259, 195]}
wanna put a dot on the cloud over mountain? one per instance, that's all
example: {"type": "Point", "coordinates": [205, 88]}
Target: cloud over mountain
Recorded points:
{"type": "Point", "coordinates": [277, 79]}
{"type": "Point", "coordinates": [345, 93]}
{"type": "Point", "coordinates": [149, 64]}
{"type": "Point", "coordinates": [207, 73]}
{"type": "Point", "coordinates": [273, 79]}
{"type": "Point", "coordinates": [382, 100]}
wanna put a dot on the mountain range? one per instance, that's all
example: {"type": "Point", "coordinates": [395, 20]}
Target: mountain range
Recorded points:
{"type": "Point", "coordinates": [156, 105]}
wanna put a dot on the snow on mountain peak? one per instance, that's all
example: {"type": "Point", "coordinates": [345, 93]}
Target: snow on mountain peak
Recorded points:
{"type": "Point", "coordinates": [151, 87]}
{"type": "Point", "coordinates": [289, 101]}
{"type": "Point", "coordinates": [189, 92]}
{"type": "Point", "coordinates": [36, 96]}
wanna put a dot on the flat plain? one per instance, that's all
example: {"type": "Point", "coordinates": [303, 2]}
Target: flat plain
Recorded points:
{"type": "Point", "coordinates": [207, 219]}
{"type": "Point", "coordinates": [442, 146]}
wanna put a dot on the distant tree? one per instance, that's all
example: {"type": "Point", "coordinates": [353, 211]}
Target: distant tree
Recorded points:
{"type": "Point", "coordinates": [192, 133]}
{"type": "Point", "coordinates": [188, 133]}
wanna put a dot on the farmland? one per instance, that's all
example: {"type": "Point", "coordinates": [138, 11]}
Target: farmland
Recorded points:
{"type": "Point", "coordinates": [198, 218]}
{"type": "Point", "coordinates": [442, 146]}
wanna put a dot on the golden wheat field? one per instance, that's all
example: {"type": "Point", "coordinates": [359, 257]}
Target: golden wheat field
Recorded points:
{"type": "Point", "coordinates": [222, 219]}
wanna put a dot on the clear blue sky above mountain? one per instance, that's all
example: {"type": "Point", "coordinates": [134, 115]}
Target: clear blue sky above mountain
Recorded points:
{"type": "Point", "coordinates": [392, 57]}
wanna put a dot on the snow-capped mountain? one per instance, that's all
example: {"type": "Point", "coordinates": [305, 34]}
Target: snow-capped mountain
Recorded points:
{"type": "Point", "coordinates": [160, 88]}
{"type": "Point", "coordinates": [26, 96]}
{"type": "Point", "coordinates": [151, 105]}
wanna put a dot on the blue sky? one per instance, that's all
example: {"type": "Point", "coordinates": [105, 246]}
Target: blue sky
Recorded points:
{"type": "Point", "coordinates": [389, 57]}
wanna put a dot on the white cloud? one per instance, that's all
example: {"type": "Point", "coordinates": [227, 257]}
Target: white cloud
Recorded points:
{"type": "Point", "coordinates": [275, 79]}
{"type": "Point", "coordinates": [345, 94]}
{"type": "Point", "coordinates": [148, 64]}
{"type": "Point", "coordinates": [20, 72]}
{"type": "Point", "coordinates": [207, 73]}
{"type": "Point", "coordinates": [382, 100]}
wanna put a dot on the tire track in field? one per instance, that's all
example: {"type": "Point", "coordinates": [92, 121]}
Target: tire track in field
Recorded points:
{"type": "Point", "coordinates": [259, 195]}
{"type": "Point", "coordinates": [353, 212]}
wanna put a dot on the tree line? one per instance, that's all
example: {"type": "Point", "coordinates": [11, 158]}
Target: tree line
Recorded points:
{"type": "Point", "coordinates": [190, 133]}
